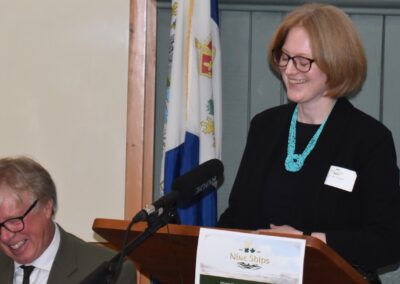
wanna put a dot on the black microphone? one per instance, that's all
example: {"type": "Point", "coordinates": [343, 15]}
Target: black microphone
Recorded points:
{"type": "Point", "coordinates": [199, 180]}
{"type": "Point", "coordinates": [186, 187]}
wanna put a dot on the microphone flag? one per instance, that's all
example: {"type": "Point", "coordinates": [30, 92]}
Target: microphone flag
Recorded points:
{"type": "Point", "coordinates": [192, 119]}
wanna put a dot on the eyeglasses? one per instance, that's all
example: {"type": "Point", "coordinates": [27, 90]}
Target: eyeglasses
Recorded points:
{"type": "Point", "coordinates": [16, 224]}
{"type": "Point", "coordinates": [301, 63]}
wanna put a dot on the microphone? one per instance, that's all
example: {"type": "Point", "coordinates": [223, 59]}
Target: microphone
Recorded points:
{"type": "Point", "coordinates": [199, 180]}
{"type": "Point", "coordinates": [186, 187]}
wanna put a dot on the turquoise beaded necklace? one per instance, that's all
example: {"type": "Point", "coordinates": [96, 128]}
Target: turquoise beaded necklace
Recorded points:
{"type": "Point", "coordinates": [294, 162]}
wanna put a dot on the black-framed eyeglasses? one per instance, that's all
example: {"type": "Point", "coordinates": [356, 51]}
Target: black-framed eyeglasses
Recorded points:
{"type": "Point", "coordinates": [301, 63]}
{"type": "Point", "coordinates": [16, 224]}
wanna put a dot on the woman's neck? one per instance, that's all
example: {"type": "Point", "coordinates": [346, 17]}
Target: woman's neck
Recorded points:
{"type": "Point", "coordinates": [315, 112]}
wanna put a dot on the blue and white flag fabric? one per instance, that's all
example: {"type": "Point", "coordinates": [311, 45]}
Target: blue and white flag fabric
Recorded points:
{"type": "Point", "coordinates": [193, 118]}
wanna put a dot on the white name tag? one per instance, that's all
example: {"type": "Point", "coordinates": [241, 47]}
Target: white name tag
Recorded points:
{"type": "Point", "coordinates": [341, 178]}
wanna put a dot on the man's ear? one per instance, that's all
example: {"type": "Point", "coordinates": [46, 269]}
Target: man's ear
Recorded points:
{"type": "Point", "coordinates": [48, 208]}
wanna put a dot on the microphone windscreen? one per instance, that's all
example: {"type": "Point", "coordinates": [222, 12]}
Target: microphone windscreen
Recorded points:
{"type": "Point", "coordinates": [197, 180]}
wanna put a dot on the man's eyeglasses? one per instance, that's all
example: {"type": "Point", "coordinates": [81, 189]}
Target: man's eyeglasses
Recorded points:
{"type": "Point", "coordinates": [16, 224]}
{"type": "Point", "coordinates": [301, 63]}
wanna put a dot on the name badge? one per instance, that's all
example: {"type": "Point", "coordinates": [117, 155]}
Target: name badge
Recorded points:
{"type": "Point", "coordinates": [341, 178]}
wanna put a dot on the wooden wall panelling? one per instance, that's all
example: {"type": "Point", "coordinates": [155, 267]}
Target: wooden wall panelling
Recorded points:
{"type": "Point", "coordinates": [391, 83]}
{"type": "Point", "coordinates": [235, 27]}
{"type": "Point", "coordinates": [141, 84]}
{"type": "Point", "coordinates": [140, 113]}
{"type": "Point", "coordinates": [370, 28]}
{"type": "Point", "coordinates": [266, 88]}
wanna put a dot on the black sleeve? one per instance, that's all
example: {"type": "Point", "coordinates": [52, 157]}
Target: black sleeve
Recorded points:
{"type": "Point", "coordinates": [229, 218]}
{"type": "Point", "coordinates": [376, 242]}
{"type": "Point", "coordinates": [244, 206]}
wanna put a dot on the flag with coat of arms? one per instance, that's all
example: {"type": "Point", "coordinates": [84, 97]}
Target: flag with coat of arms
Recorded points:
{"type": "Point", "coordinates": [193, 117]}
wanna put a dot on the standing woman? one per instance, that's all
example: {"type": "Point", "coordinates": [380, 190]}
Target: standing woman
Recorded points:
{"type": "Point", "coordinates": [317, 165]}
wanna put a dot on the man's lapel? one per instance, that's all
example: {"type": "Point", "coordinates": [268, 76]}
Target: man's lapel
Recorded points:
{"type": "Point", "coordinates": [6, 269]}
{"type": "Point", "coordinates": [65, 262]}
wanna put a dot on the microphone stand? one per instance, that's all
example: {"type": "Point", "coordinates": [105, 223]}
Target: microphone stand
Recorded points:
{"type": "Point", "coordinates": [108, 271]}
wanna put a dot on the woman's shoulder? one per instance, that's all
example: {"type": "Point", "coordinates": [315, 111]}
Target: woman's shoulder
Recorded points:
{"type": "Point", "coordinates": [364, 122]}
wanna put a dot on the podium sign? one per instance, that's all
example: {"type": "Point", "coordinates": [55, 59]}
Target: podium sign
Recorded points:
{"type": "Point", "coordinates": [170, 254]}
{"type": "Point", "coordinates": [231, 257]}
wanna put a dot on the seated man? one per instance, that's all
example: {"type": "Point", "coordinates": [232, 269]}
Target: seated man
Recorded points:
{"type": "Point", "coordinates": [32, 246]}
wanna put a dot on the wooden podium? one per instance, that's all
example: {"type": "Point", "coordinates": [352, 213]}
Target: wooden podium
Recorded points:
{"type": "Point", "coordinates": [169, 255]}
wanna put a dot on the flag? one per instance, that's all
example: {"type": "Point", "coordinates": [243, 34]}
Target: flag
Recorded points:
{"type": "Point", "coordinates": [193, 119]}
